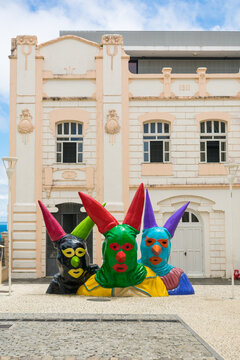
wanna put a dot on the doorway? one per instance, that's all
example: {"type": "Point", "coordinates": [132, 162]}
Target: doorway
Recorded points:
{"type": "Point", "coordinates": [69, 216]}
{"type": "Point", "coordinates": [187, 246]}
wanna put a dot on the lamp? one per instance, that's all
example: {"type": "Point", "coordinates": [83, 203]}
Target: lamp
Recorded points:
{"type": "Point", "coordinates": [232, 172]}
{"type": "Point", "coordinates": [9, 165]}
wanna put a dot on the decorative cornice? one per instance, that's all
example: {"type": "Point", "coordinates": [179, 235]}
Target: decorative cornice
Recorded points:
{"type": "Point", "coordinates": [182, 98]}
{"type": "Point", "coordinates": [72, 98]}
{"type": "Point", "coordinates": [114, 39]}
{"type": "Point", "coordinates": [214, 115]}
{"type": "Point", "coordinates": [66, 37]}
{"type": "Point", "coordinates": [156, 116]}
{"type": "Point", "coordinates": [26, 40]}
{"type": "Point", "coordinates": [72, 114]}
{"type": "Point", "coordinates": [185, 186]}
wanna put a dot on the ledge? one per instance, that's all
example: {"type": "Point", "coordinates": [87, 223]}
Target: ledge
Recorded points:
{"type": "Point", "coordinates": [212, 169]}
{"type": "Point", "coordinates": [156, 169]}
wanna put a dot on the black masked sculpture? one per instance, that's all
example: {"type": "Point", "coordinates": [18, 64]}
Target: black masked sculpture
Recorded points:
{"type": "Point", "coordinates": [72, 254]}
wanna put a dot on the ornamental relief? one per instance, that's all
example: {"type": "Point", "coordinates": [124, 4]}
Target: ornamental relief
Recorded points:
{"type": "Point", "coordinates": [114, 39]}
{"type": "Point", "coordinates": [69, 175]}
{"type": "Point", "coordinates": [112, 42]}
{"type": "Point", "coordinates": [26, 40]}
{"type": "Point", "coordinates": [25, 126]}
{"type": "Point", "coordinates": [26, 43]}
{"type": "Point", "coordinates": [112, 126]}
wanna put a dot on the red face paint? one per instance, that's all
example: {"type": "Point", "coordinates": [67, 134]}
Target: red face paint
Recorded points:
{"type": "Point", "coordinates": [149, 241]}
{"type": "Point", "coordinates": [163, 242]}
{"type": "Point", "coordinates": [127, 247]}
{"type": "Point", "coordinates": [156, 249]}
{"type": "Point", "coordinates": [155, 260]}
{"type": "Point", "coordinates": [120, 267]}
{"type": "Point", "coordinates": [121, 257]}
{"type": "Point", "coordinates": [115, 246]}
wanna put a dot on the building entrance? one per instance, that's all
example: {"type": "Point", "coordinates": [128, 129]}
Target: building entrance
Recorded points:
{"type": "Point", "coordinates": [68, 216]}
{"type": "Point", "coordinates": [187, 246]}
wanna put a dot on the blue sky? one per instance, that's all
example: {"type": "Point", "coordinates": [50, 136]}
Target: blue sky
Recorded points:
{"type": "Point", "coordinates": [45, 18]}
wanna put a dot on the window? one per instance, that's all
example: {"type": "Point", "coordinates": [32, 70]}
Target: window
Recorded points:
{"type": "Point", "coordinates": [69, 142]}
{"type": "Point", "coordinates": [213, 145]}
{"type": "Point", "coordinates": [133, 66]}
{"type": "Point", "coordinates": [156, 145]}
{"type": "Point", "coordinates": [189, 217]}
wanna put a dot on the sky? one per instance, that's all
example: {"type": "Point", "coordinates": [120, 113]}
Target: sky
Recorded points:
{"type": "Point", "coordinates": [45, 18]}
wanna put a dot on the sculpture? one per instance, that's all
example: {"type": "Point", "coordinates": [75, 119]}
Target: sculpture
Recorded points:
{"type": "Point", "coordinates": [156, 248]}
{"type": "Point", "coordinates": [72, 254]}
{"type": "Point", "coordinates": [120, 273]}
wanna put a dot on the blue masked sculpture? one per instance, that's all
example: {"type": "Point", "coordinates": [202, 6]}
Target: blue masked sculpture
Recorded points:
{"type": "Point", "coordinates": [156, 248]}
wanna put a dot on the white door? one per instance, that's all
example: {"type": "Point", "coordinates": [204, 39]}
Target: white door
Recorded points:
{"type": "Point", "coordinates": [187, 246]}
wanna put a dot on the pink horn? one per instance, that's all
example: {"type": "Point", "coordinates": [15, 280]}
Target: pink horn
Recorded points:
{"type": "Point", "coordinates": [99, 215]}
{"type": "Point", "coordinates": [54, 229]}
{"type": "Point", "coordinates": [134, 214]}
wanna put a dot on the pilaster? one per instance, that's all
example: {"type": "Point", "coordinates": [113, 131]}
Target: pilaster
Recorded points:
{"type": "Point", "coordinates": [24, 207]}
{"type": "Point", "coordinates": [113, 122]}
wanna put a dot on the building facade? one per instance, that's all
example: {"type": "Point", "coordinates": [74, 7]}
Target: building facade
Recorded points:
{"type": "Point", "coordinates": [101, 113]}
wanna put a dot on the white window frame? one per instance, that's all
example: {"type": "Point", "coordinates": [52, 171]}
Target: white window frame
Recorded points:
{"type": "Point", "coordinates": [70, 136]}
{"type": "Point", "coordinates": [160, 133]}
{"type": "Point", "coordinates": [209, 130]}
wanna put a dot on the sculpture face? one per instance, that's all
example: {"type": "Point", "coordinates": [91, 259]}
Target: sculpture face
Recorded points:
{"type": "Point", "coordinates": [155, 248]}
{"type": "Point", "coordinates": [156, 240]}
{"type": "Point", "coordinates": [120, 267]}
{"type": "Point", "coordinates": [120, 250]}
{"type": "Point", "coordinates": [72, 257]}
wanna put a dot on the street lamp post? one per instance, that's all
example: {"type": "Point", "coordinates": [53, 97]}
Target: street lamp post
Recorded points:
{"type": "Point", "coordinates": [9, 164]}
{"type": "Point", "coordinates": [232, 168]}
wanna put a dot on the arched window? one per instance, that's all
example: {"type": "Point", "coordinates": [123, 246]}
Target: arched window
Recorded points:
{"type": "Point", "coordinates": [189, 217]}
{"type": "Point", "coordinates": [156, 142]}
{"type": "Point", "coordinates": [213, 143]}
{"type": "Point", "coordinates": [69, 142]}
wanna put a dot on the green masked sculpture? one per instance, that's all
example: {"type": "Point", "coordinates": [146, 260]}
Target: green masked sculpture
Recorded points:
{"type": "Point", "coordinates": [120, 273]}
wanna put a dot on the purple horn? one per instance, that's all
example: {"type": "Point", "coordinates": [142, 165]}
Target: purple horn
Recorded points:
{"type": "Point", "coordinates": [172, 223]}
{"type": "Point", "coordinates": [149, 218]}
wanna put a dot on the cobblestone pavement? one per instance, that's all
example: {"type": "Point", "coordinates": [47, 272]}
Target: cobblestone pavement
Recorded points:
{"type": "Point", "coordinates": [95, 337]}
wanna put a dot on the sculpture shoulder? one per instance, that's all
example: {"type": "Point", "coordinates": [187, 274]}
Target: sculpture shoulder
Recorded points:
{"type": "Point", "coordinates": [59, 286]}
{"type": "Point", "coordinates": [177, 282]}
{"type": "Point", "coordinates": [92, 288]}
{"type": "Point", "coordinates": [152, 285]}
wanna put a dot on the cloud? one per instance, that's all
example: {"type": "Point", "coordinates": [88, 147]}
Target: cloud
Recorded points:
{"type": "Point", "coordinates": [3, 115]}
{"type": "Point", "coordinates": [45, 18]}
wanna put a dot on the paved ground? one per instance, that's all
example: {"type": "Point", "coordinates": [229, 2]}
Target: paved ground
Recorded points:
{"type": "Point", "coordinates": [211, 313]}
{"type": "Point", "coordinates": [104, 337]}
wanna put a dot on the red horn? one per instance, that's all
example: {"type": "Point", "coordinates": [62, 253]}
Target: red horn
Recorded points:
{"type": "Point", "coordinates": [54, 229]}
{"type": "Point", "coordinates": [134, 214]}
{"type": "Point", "coordinates": [99, 215]}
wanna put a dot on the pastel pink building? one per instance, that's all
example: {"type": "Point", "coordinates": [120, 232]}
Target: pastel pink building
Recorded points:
{"type": "Point", "coordinates": [102, 112]}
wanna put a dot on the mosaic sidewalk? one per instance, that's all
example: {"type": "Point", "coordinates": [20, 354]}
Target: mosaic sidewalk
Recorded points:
{"type": "Point", "coordinates": [95, 337]}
